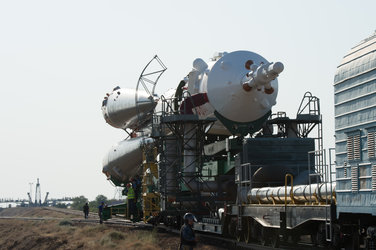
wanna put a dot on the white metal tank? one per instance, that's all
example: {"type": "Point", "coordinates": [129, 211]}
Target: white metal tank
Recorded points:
{"type": "Point", "coordinates": [239, 88]}
{"type": "Point", "coordinates": [124, 108]}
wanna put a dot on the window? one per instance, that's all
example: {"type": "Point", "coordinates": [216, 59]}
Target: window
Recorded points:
{"type": "Point", "coordinates": [354, 178]}
{"type": "Point", "coordinates": [374, 178]}
{"type": "Point", "coordinates": [353, 147]}
{"type": "Point", "coordinates": [371, 146]}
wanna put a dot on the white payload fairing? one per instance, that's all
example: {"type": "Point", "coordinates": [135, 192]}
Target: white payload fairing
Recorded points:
{"type": "Point", "coordinates": [124, 108]}
{"type": "Point", "coordinates": [127, 109]}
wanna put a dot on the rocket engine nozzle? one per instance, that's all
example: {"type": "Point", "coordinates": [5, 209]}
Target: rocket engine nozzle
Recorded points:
{"type": "Point", "coordinates": [262, 75]}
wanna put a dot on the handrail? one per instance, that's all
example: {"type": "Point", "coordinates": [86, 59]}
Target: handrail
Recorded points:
{"type": "Point", "coordinates": [291, 190]}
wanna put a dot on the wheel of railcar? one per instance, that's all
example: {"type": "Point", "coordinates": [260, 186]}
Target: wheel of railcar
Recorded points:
{"type": "Point", "coordinates": [274, 238]}
{"type": "Point", "coordinates": [370, 243]}
{"type": "Point", "coordinates": [264, 237]}
{"type": "Point", "coordinates": [226, 223]}
{"type": "Point", "coordinates": [353, 242]}
{"type": "Point", "coordinates": [255, 230]}
{"type": "Point", "coordinates": [248, 231]}
{"type": "Point", "coordinates": [231, 227]}
{"type": "Point", "coordinates": [295, 237]}
{"type": "Point", "coordinates": [263, 241]}
{"type": "Point", "coordinates": [336, 241]}
{"type": "Point", "coordinates": [239, 235]}
{"type": "Point", "coordinates": [285, 237]}
{"type": "Point", "coordinates": [318, 236]}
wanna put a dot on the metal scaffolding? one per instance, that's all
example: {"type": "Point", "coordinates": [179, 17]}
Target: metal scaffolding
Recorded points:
{"type": "Point", "coordinates": [181, 137]}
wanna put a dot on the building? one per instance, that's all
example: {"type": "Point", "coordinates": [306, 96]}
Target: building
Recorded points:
{"type": "Point", "coordinates": [355, 129]}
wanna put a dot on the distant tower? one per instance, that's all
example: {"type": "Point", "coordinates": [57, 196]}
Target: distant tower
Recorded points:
{"type": "Point", "coordinates": [45, 202]}
{"type": "Point", "coordinates": [31, 188]}
{"type": "Point", "coordinates": [38, 196]}
{"type": "Point", "coordinates": [30, 194]}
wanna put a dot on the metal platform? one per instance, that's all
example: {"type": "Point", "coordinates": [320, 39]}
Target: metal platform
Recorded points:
{"type": "Point", "coordinates": [185, 118]}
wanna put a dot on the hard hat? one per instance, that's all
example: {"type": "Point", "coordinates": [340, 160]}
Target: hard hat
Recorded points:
{"type": "Point", "coordinates": [189, 216]}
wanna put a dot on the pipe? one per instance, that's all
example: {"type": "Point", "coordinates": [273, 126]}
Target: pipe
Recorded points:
{"type": "Point", "coordinates": [319, 192]}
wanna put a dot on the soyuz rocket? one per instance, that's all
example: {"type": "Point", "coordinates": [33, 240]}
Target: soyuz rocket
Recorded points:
{"type": "Point", "coordinates": [238, 89]}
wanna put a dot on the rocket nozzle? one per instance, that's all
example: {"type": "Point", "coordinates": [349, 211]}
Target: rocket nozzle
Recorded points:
{"type": "Point", "coordinates": [262, 75]}
{"type": "Point", "coordinates": [269, 91]}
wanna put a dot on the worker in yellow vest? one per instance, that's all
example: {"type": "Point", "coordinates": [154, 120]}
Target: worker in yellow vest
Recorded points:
{"type": "Point", "coordinates": [131, 201]}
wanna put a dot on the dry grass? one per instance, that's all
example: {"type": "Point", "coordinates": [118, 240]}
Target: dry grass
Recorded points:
{"type": "Point", "coordinates": [65, 223]}
{"type": "Point", "coordinates": [62, 233]}
{"type": "Point", "coordinates": [20, 234]}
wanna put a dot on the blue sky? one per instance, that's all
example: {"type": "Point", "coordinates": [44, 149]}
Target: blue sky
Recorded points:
{"type": "Point", "coordinates": [59, 58]}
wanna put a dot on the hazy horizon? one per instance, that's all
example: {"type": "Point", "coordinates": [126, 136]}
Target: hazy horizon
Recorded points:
{"type": "Point", "coordinates": [59, 59]}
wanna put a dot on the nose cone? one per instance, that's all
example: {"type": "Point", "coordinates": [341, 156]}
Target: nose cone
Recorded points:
{"type": "Point", "coordinates": [125, 108]}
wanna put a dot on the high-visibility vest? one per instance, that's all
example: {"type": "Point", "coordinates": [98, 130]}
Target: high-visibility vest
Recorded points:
{"type": "Point", "coordinates": [131, 194]}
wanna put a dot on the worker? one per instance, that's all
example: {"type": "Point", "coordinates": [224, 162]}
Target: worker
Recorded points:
{"type": "Point", "coordinates": [187, 236]}
{"type": "Point", "coordinates": [100, 212]}
{"type": "Point", "coordinates": [136, 184]}
{"type": "Point", "coordinates": [86, 210]}
{"type": "Point", "coordinates": [131, 197]}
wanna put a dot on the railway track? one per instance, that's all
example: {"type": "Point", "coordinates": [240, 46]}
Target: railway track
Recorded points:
{"type": "Point", "coordinates": [210, 239]}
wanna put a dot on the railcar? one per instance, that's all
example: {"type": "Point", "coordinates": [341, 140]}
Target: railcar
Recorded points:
{"type": "Point", "coordinates": [213, 147]}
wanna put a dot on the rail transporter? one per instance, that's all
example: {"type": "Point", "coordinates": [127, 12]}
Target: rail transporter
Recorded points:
{"type": "Point", "coordinates": [213, 147]}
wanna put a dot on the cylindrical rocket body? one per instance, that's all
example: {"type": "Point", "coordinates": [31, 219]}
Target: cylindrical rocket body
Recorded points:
{"type": "Point", "coordinates": [221, 80]}
{"type": "Point", "coordinates": [124, 108]}
{"type": "Point", "coordinates": [124, 159]}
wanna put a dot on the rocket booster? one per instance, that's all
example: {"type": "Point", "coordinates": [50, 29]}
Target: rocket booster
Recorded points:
{"type": "Point", "coordinates": [238, 88]}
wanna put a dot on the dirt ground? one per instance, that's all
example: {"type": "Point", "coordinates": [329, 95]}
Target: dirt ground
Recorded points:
{"type": "Point", "coordinates": [37, 212]}
{"type": "Point", "coordinates": [58, 231]}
